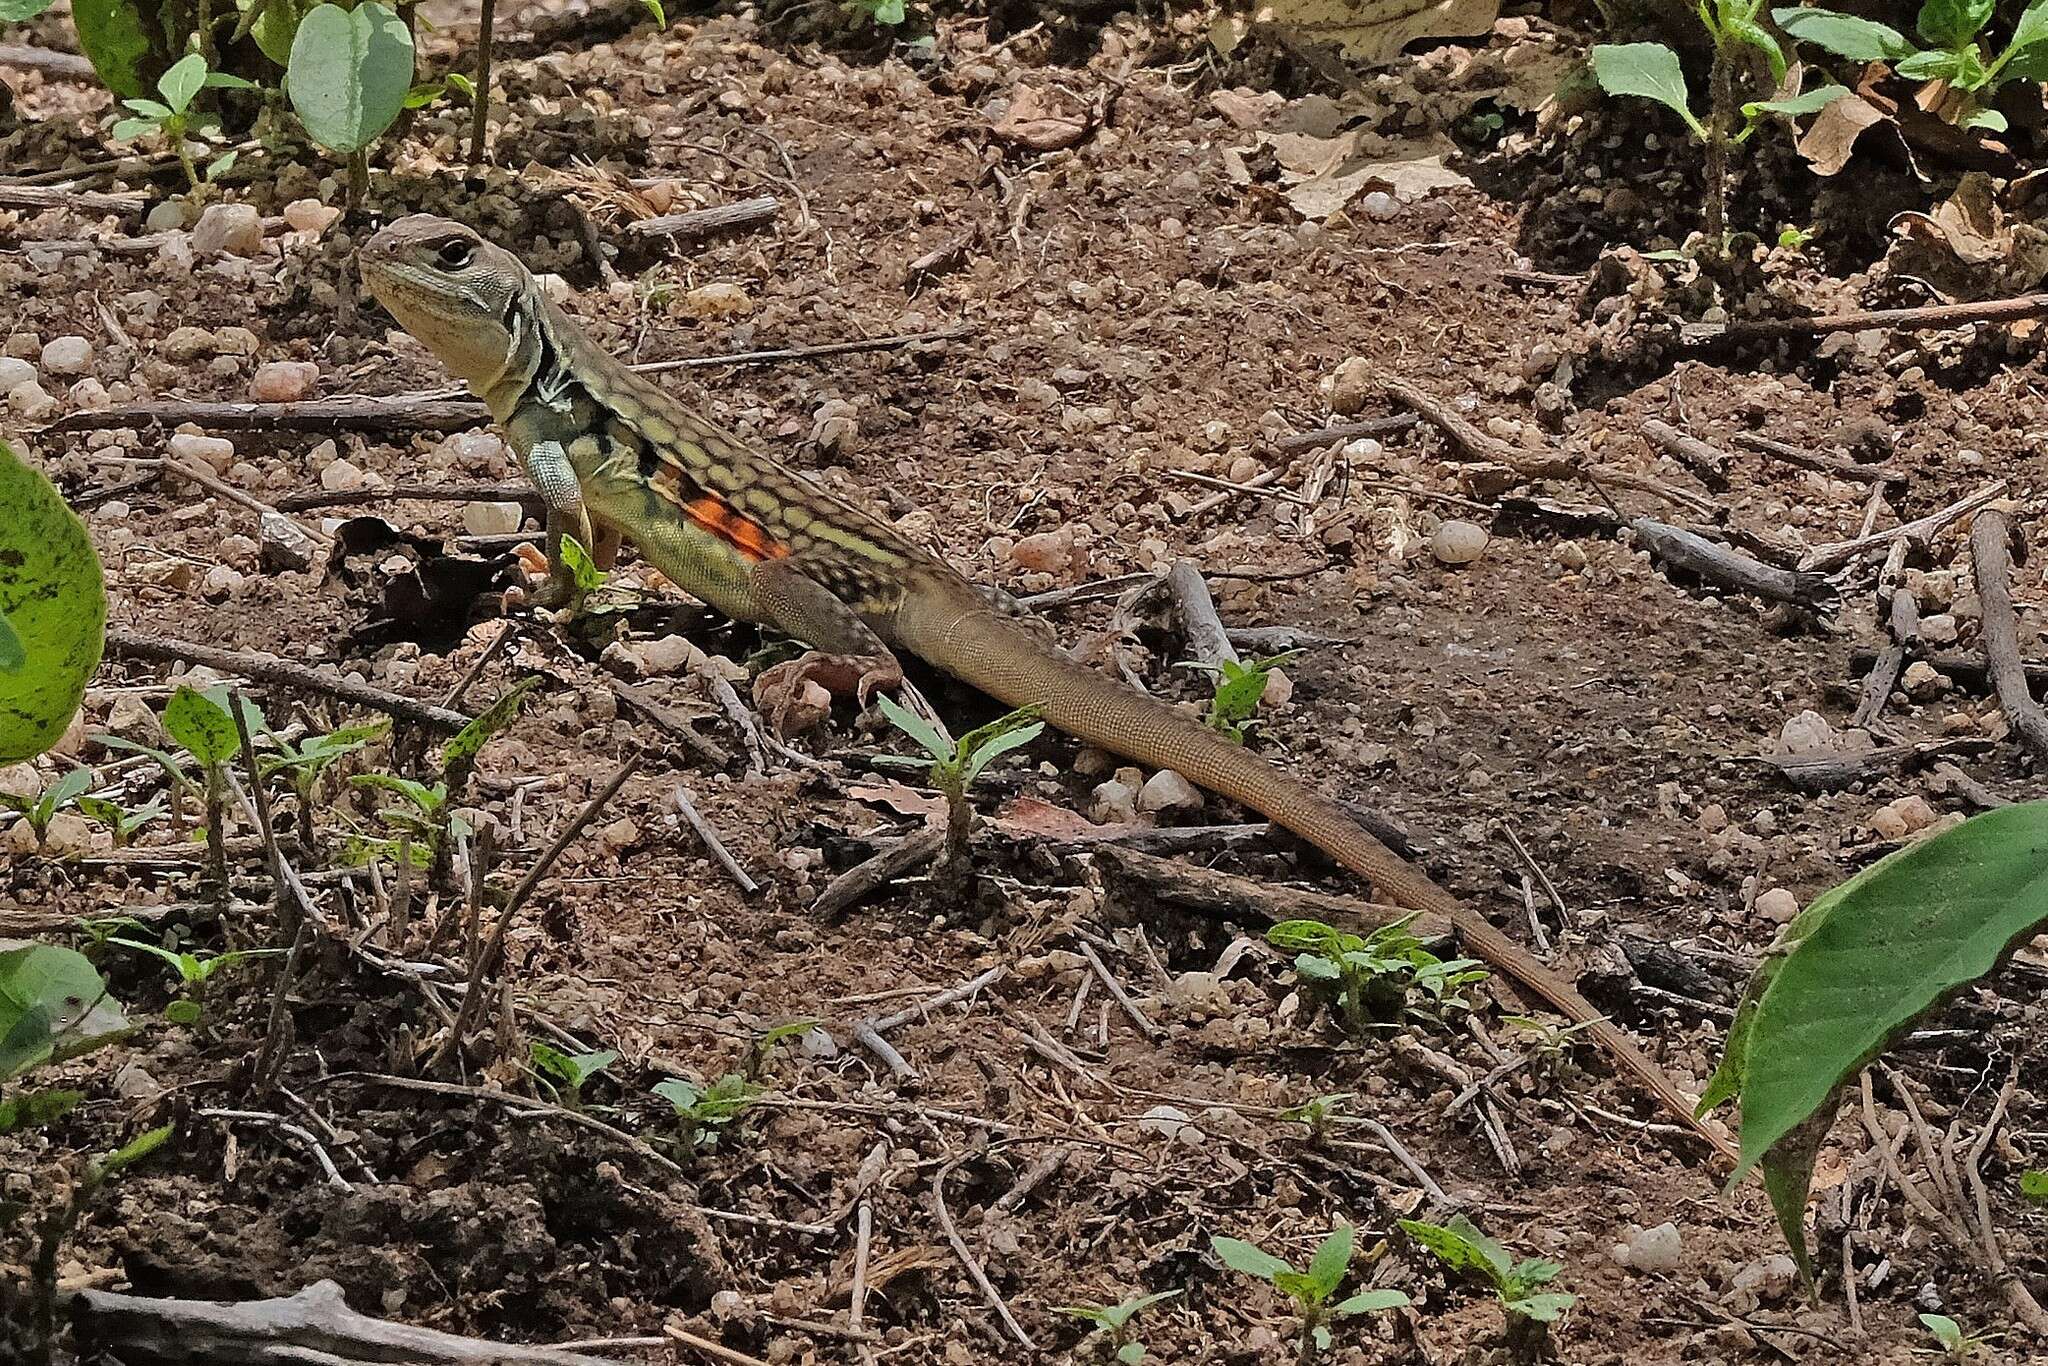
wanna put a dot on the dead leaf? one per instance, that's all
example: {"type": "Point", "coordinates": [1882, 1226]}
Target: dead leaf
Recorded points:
{"type": "Point", "coordinates": [1831, 139]}
{"type": "Point", "coordinates": [1041, 121]}
{"type": "Point", "coordinates": [1328, 173]}
{"type": "Point", "coordinates": [1245, 108]}
{"type": "Point", "coordinates": [1375, 31]}
{"type": "Point", "coordinates": [904, 801]}
{"type": "Point", "coordinates": [1970, 246]}
{"type": "Point", "coordinates": [1027, 817]}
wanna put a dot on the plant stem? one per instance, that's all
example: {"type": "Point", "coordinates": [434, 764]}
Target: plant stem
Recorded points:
{"type": "Point", "coordinates": [479, 118]}
{"type": "Point", "coordinates": [1720, 116]}
{"type": "Point", "coordinates": [358, 178]}
{"type": "Point", "coordinates": [216, 837]}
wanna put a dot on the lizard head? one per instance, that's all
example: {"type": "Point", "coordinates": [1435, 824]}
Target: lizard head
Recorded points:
{"type": "Point", "coordinates": [452, 290]}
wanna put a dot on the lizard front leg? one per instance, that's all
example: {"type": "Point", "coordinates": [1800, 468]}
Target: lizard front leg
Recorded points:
{"type": "Point", "coordinates": [547, 465]}
{"type": "Point", "coordinates": [846, 655]}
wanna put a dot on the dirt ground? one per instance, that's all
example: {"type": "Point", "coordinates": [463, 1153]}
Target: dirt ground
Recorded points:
{"type": "Point", "coordinates": [1133, 309]}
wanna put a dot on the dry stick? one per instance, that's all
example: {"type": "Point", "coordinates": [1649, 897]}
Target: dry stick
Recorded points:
{"type": "Point", "coordinates": [1731, 568]}
{"type": "Point", "coordinates": [483, 661]}
{"type": "Point", "coordinates": [285, 1126]}
{"type": "Point", "coordinates": [1217, 500]}
{"type": "Point", "coordinates": [1929, 316]}
{"type": "Point", "coordinates": [1922, 531]}
{"type": "Point", "coordinates": [487, 957]}
{"type": "Point", "coordinates": [863, 878]}
{"type": "Point", "coordinates": [1991, 560]}
{"type": "Point", "coordinates": [408, 492]}
{"type": "Point", "coordinates": [34, 198]}
{"type": "Point", "coordinates": [480, 98]}
{"type": "Point", "coordinates": [926, 1005]}
{"type": "Point", "coordinates": [1344, 431]}
{"type": "Point", "coordinates": [672, 722]}
{"type": "Point", "coordinates": [1966, 670]}
{"type": "Point", "coordinates": [863, 1234]}
{"type": "Point", "coordinates": [966, 1255]}
{"type": "Point", "coordinates": [1565, 919]}
{"type": "Point", "coordinates": [716, 1350]}
{"type": "Point", "coordinates": [259, 798]}
{"type": "Point", "coordinates": [1824, 464]}
{"type": "Point", "coordinates": [819, 352]}
{"type": "Point", "coordinates": [315, 1325]}
{"type": "Point", "coordinates": [1904, 622]}
{"type": "Point", "coordinates": [1116, 990]}
{"type": "Point", "coordinates": [207, 480]}
{"type": "Point", "coordinates": [687, 806]}
{"type": "Point", "coordinates": [268, 668]}
{"type": "Point", "coordinates": [747, 213]}
{"type": "Point", "coordinates": [864, 1033]}
{"type": "Point", "coordinates": [1708, 463]}
{"type": "Point", "coordinates": [1473, 444]}
{"type": "Point", "coordinates": [1229, 897]}
{"type": "Point", "coordinates": [1196, 609]}
{"type": "Point", "coordinates": [64, 66]}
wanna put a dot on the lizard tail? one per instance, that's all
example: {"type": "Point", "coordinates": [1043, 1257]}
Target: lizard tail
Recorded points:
{"type": "Point", "coordinates": [1018, 669]}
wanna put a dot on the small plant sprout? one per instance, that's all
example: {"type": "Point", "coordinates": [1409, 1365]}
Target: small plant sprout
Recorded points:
{"type": "Point", "coordinates": [1319, 1113]}
{"type": "Point", "coordinates": [1651, 71]}
{"type": "Point", "coordinates": [883, 13]}
{"type": "Point", "coordinates": [201, 723]}
{"type": "Point", "coordinates": [1311, 1289]}
{"type": "Point", "coordinates": [178, 783]}
{"type": "Point", "coordinates": [1462, 1248]}
{"type": "Point", "coordinates": [120, 820]}
{"type": "Point", "coordinates": [1956, 1344]}
{"type": "Point", "coordinates": [763, 1051]}
{"type": "Point", "coordinates": [1367, 979]}
{"type": "Point", "coordinates": [194, 972]}
{"type": "Point", "coordinates": [957, 763]}
{"type": "Point", "coordinates": [1113, 1324]}
{"type": "Point", "coordinates": [177, 121]}
{"type": "Point", "coordinates": [1240, 688]}
{"type": "Point", "coordinates": [1958, 54]}
{"type": "Point", "coordinates": [702, 1112]}
{"type": "Point", "coordinates": [568, 1073]}
{"type": "Point", "coordinates": [40, 810]}
{"type": "Point", "coordinates": [305, 763]}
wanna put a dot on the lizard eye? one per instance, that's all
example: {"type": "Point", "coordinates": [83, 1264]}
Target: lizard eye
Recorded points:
{"type": "Point", "coordinates": [455, 253]}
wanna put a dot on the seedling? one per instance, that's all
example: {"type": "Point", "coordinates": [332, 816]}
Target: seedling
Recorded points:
{"type": "Point", "coordinates": [1113, 1323]}
{"type": "Point", "coordinates": [426, 817]}
{"type": "Point", "coordinates": [703, 1112]}
{"type": "Point", "coordinates": [957, 763]}
{"type": "Point", "coordinates": [567, 1073]}
{"type": "Point", "coordinates": [123, 822]}
{"type": "Point", "coordinates": [432, 821]}
{"type": "Point", "coordinates": [1319, 1113]}
{"type": "Point", "coordinates": [40, 810]}
{"type": "Point", "coordinates": [1240, 688]}
{"type": "Point", "coordinates": [1956, 1345]}
{"type": "Point", "coordinates": [1461, 1247]}
{"type": "Point", "coordinates": [1367, 980]}
{"type": "Point", "coordinates": [764, 1047]}
{"type": "Point", "coordinates": [884, 13]}
{"type": "Point", "coordinates": [305, 763]}
{"type": "Point", "coordinates": [1311, 1289]}
{"type": "Point", "coordinates": [202, 724]}
{"type": "Point", "coordinates": [1651, 71]}
{"type": "Point", "coordinates": [1957, 51]}
{"type": "Point", "coordinates": [178, 783]}
{"type": "Point", "coordinates": [194, 972]}
{"type": "Point", "coordinates": [178, 122]}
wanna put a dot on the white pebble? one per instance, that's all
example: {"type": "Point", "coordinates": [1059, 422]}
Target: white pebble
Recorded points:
{"type": "Point", "coordinates": [69, 356]}
{"type": "Point", "coordinates": [216, 453]}
{"type": "Point", "coordinates": [284, 381]}
{"type": "Point", "coordinates": [236, 229]}
{"type": "Point", "coordinates": [492, 519]}
{"type": "Point", "coordinates": [1458, 542]}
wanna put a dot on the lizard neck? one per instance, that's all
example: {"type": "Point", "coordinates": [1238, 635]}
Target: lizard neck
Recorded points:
{"type": "Point", "coordinates": [542, 357]}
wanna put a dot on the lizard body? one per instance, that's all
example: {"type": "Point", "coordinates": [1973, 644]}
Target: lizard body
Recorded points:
{"type": "Point", "coordinates": [614, 455]}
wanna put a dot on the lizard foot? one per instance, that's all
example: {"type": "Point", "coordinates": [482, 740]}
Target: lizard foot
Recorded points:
{"type": "Point", "coordinates": [778, 690]}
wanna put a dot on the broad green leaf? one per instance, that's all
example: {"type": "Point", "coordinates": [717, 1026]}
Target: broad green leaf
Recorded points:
{"type": "Point", "coordinates": [185, 1013]}
{"type": "Point", "coordinates": [202, 726]}
{"type": "Point", "coordinates": [54, 599]}
{"type": "Point", "coordinates": [1372, 1302]}
{"type": "Point", "coordinates": [222, 80]}
{"type": "Point", "coordinates": [1460, 1246]}
{"type": "Point", "coordinates": [1946, 1331]}
{"type": "Point", "coordinates": [127, 130]}
{"type": "Point", "coordinates": [1131, 1353]}
{"type": "Point", "coordinates": [220, 166]}
{"type": "Point", "coordinates": [1845, 35]}
{"type": "Point", "coordinates": [1239, 1255]}
{"type": "Point", "coordinates": [184, 80]}
{"type": "Point", "coordinates": [69, 788]}
{"type": "Point", "coordinates": [458, 757]}
{"type": "Point", "coordinates": [458, 81]}
{"type": "Point", "coordinates": [114, 35]}
{"type": "Point", "coordinates": [36, 1109]}
{"type": "Point", "coordinates": [1313, 967]}
{"type": "Point", "coordinates": [420, 96]}
{"type": "Point", "coordinates": [50, 997]}
{"type": "Point", "coordinates": [1298, 1286]}
{"type": "Point", "coordinates": [889, 12]}
{"type": "Point", "coordinates": [1333, 1258]}
{"type": "Point", "coordinates": [21, 11]}
{"type": "Point", "coordinates": [1869, 957]}
{"type": "Point", "coordinates": [1543, 1308]}
{"type": "Point", "coordinates": [12, 656]}
{"type": "Point", "coordinates": [1647, 70]}
{"type": "Point", "coordinates": [2026, 56]}
{"type": "Point", "coordinates": [936, 744]}
{"type": "Point", "coordinates": [1933, 66]}
{"type": "Point", "coordinates": [1952, 23]}
{"type": "Point", "coordinates": [1117, 1315]}
{"type": "Point", "coordinates": [427, 799]}
{"type": "Point", "coordinates": [582, 569]}
{"type": "Point", "coordinates": [683, 1095]}
{"type": "Point", "coordinates": [277, 26]}
{"type": "Point", "coordinates": [348, 73]}
{"type": "Point", "coordinates": [1989, 119]}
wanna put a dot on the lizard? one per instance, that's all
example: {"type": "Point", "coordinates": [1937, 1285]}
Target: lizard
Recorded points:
{"type": "Point", "coordinates": [614, 456]}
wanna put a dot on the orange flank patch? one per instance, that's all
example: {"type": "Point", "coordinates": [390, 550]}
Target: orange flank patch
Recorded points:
{"type": "Point", "coordinates": [736, 530]}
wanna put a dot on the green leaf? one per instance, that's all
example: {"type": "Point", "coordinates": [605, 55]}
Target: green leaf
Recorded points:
{"type": "Point", "coordinates": [1797, 106]}
{"type": "Point", "coordinates": [134, 1150]}
{"type": "Point", "coordinates": [127, 130]}
{"type": "Point", "coordinates": [185, 1013]}
{"type": "Point", "coordinates": [50, 996]}
{"type": "Point", "coordinates": [21, 11]}
{"type": "Point", "coordinates": [54, 599]}
{"type": "Point", "coordinates": [420, 96]}
{"type": "Point", "coordinates": [1542, 1308]}
{"type": "Point", "coordinates": [582, 569]}
{"type": "Point", "coordinates": [1932, 66]}
{"type": "Point", "coordinates": [202, 726]}
{"type": "Point", "coordinates": [37, 1109]}
{"type": "Point", "coordinates": [1648, 71]}
{"type": "Point", "coordinates": [1333, 1258]}
{"type": "Point", "coordinates": [222, 80]}
{"type": "Point", "coordinates": [1460, 1246]}
{"type": "Point", "coordinates": [1845, 35]}
{"type": "Point", "coordinates": [659, 14]}
{"type": "Point", "coordinates": [936, 744]}
{"type": "Point", "coordinates": [348, 73]}
{"type": "Point", "coordinates": [2034, 1186]}
{"type": "Point", "coordinates": [1116, 1316]}
{"type": "Point", "coordinates": [458, 757]}
{"type": "Point", "coordinates": [184, 80]}
{"type": "Point", "coordinates": [220, 166]}
{"type": "Point", "coordinates": [980, 755]}
{"type": "Point", "coordinates": [458, 81]}
{"type": "Point", "coordinates": [1239, 1255]}
{"type": "Point", "coordinates": [1372, 1302]}
{"type": "Point", "coordinates": [683, 1095]}
{"type": "Point", "coordinates": [12, 655]}
{"type": "Point", "coordinates": [1131, 1353]}
{"type": "Point", "coordinates": [1872, 955]}
{"type": "Point", "coordinates": [1989, 119]}
{"type": "Point", "coordinates": [2026, 56]}
{"type": "Point", "coordinates": [1946, 1331]}
{"type": "Point", "coordinates": [1298, 1286]}
{"type": "Point", "coordinates": [173, 770]}
{"type": "Point", "coordinates": [1752, 34]}
{"type": "Point", "coordinates": [115, 37]}
{"type": "Point", "coordinates": [1952, 23]}
{"type": "Point", "coordinates": [428, 799]}
{"type": "Point", "coordinates": [277, 27]}
{"type": "Point", "coordinates": [890, 12]}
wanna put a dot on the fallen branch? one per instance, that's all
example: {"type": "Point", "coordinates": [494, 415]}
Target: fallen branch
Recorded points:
{"type": "Point", "coordinates": [1344, 431]}
{"type": "Point", "coordinates": [1921, 532]}
{"type": "Point", "coordinates": [1731, 568]}
{"type": "Point", "coordinates": [268, 668]}
{"type": "Point", "coordinates": [1991, 561]}
{"type": "Point", "coordinates": [411, 492]}
{"type": "Point", "coordinates": [63, 66]}
{"type": "Point", "coordinates": [863, 878]}
{"type": "Point", "coordinates": [1708, 463]}
{"type": "Point", "coordinates": [1833, 770]}
{"type": "Point", "coordinates": [35, 198]}
{"type": "Point", "coordinates": [316, 1325]}
{"type": "Point", "coordinates": [686, 807]}
{"type": "Point", "coordinates": [747, 213]}
{"type": "Point", "coordinates": [1821, 464]}
{"type": "Point", "coordinates": [1226, 896]}
{"type": "Point", "coordinates": [1199, 624]}
{"type": "Point", "coordinates": [1903, 619]}
{"type": "Point", "coordinates": [1928, 316]}
{"type": "Point", "coordinates": [1473, 444]}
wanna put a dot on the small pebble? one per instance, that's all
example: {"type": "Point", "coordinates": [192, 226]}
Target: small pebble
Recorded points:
{"type": "Point", "coordinates": [284, 381]}
{"type": "Point", "coordinates": [216, 453]}
{"type": "Point", "coordinates": [68, 356]}
{"type": "Point", "coordinates": [1351, 384]}
{"type": "Point", "coordinates": [1458, 542]}
{"type": "Point", "coordinates": [1778, 906]}
{"type": "Point", "coordinates": [492, 519]}
{"type": "Point", "coordinates": [1923, 682]}
{"type": "Point", "coordinates": [717, 301]}
{"type": "Point", "coordinates": [309, 215]}
{"type": "Point", "coordinates": [1166, 790]}
{"type": "Point", "coordinates": [1655, 1249]}
{"type": "Point", "coordinates": [1048, 552]}
{"type": "Point", "coordinates": [341, 476]}
{"type": "Point", "coordinates": [236, 229]}
{"type": "Point", "coordinates": [1806, 733]}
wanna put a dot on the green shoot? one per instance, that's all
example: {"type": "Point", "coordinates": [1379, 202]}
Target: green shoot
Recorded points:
{"type": "Point", "coordinates": [1462, 1248]}
{"type": "Point", "coordinates": [1113, 1323]}
{"type": "Point", "coordinates": [1311, 1289]}
{"type": "Point", "coordinates": [305, 763]}
{"type": "Point", "coordinates": [1958, 53]}
{"type": "Point", "coordinates": [568, 1073]}
{"type": "Point", "coordinates": [177, 122]}
{"type": "Point", "coordinates": [764, 1047]}
{"type": "Point", "coordinates": [119, 819]}
{"type": "Point", "coordinates": [1956, 1345]}
{"type": "Point", "coordinates": [194, 972]}
{"type": "Point", "coordinates": [40, 810]}
{"type": "Point", "coordinates": [702, 1112]}
{"type": "Point", "coordinates": [202, 724]}
{"type": "Point", "coordinates": [1319, 1113]}
{"type": "Point", "coordinates": [957, 763]}
{"type": "Point", "coordinates": [53, 1006]}
{"type": "Point", "coordinates": [178, 783]}
{"type": "Point", "coordinates": [1240, 688]}
{"type": "Point", "coordinates": [1368, 980]}
{"type": "Point", "coordinates": [2034, 1186]}
{"type": "Point", "coordinates": [883, 13]}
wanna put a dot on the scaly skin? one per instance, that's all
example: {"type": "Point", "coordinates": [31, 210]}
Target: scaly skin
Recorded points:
{"type": "Point", "coordinates": [615, 456]}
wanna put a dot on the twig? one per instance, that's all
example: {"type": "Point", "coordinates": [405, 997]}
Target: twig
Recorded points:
{"type": "Point", "coordinates": [687, 806]}
{"type": "Point", "coordinates": [925, 1006]}
{"type": "Point", "coordinates": [487, 960]}
{"type": "Point", "coordinates": [480, 98]}
{"type": "Point", "coordinates": [1921, 532]}
{"type": "Point", "coordinates": [1565, 919]}
{"type": "Point", "coordinates": [1344, 431]}
{"type": "Point", "coordinates": [266, 668]}
{"type": "Point", "coordinates": [857, 882]}
{"type": "Point", "coordinates": [864, 1033]}
{"type": "Point", "coordinates": [285, 1126]}
{"type": "Point", "coordinates": [1199, 624]}
{"type": "Point", "coordinates": [671, 722]}
{"type": "Point", "coordinates": [427, 412]}
{"type": "Point", "coordinates": [863, 1234]}
{"type": "Point", "coordinates": [1991, 561]}
{"type": "Point", "coordinates": [746, 213]}
{"type": "Point", "coordinates": [406, 492]}
{"type": "Point", "coordinates": [1401, 1155]}
{"type": "Point", "coordinates": [1708, 463]}
{"type": "Point", "coordinates": [966, 1255]}
{"type": "Point", "coordinates": [35, 198]}
{"type": "Point", "coordinates": [1731, 569]}
{"type": "Point", "coordinates": [1929, 316]}
{"type": "Point", "coordinates": [1823, 464]}
{"type": "Point", "coordinates": [717, 1350]}
{"type": "Point", "coordinates": [1118, 994]}
{"type": "Point", "coordinates": [1473, 444]}
{"type": "Point", "coordinates": [207, 480]}
{"type": "Point", "coordinates": [483, 661]}
{"type": "Point", "coordinates": [1903, 617]}
{"type": "Point", "coordinates": [819, 352]}
{"type": "Point", "coordinates": [63, 66]}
